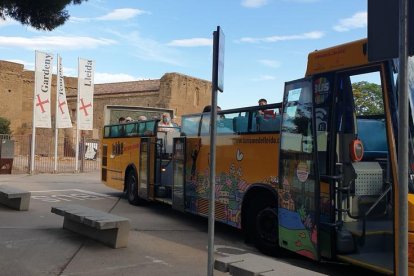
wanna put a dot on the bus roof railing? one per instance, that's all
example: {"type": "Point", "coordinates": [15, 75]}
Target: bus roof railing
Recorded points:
{"type": "Point", "coordinates": [131, 129]}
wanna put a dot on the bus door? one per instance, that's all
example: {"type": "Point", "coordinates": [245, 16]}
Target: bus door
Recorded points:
{"type": "Point", "coordinates": [146, 168]}
{"type": "Point", "coordinates": [365, 155]}
{"type": "Point", "coordinates": [298, 179]}
{"type": "Point", "coordinates": [179, 173]}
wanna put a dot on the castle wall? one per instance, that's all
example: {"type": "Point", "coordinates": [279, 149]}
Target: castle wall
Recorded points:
{"type": "Point", "coordinates": [184, 94]}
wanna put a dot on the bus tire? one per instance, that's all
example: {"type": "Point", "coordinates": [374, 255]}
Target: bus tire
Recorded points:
{"type": "Point", "coordinates": [132, 188]}
{"type": "Point", "coordinates": [262, 218]}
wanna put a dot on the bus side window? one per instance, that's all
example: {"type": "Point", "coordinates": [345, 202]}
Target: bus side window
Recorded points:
{"type": "Point", "coordinates": [241, 124]}
{"type": "Point", "coordinates": [189, 126]}
{"type": "Point", "coordinates": [205, 124]}
{"type": "Point", "coordinates": [268, 125]}
{"type": "Point", "coordinates": [224, 125]}
{"type": "Point", "coordinates": [131, 129]}
{"type": "Point", "coordinates": [107, 131]}
{"type": "Point", "coordinates": [115, 131]}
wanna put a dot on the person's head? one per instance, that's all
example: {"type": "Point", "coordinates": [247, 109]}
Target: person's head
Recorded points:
{"type": "Point", "coordinates": [262, 102]}
{"type": "Point", "coordinates": [128, 119]}
{"type": "Point", "coordinates": [142, 118]}
{"type": "Point", "coordinates": [207, 108]}
{"type": "Point", "coordinates": [166, 118]}
{"type": "Point", "coordinates": [121, 120]}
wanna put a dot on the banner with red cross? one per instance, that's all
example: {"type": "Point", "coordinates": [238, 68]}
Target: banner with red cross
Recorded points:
{"type": "Point", "coordinates": [62, 111]}
{"type": "Point", "coordinates": [43, 85]}
{"type": "Point", "coordinates": [85, 94]}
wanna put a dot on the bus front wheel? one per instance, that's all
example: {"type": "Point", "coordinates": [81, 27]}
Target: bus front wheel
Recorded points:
{"type": "Point", "coordinates": [132, 188]}
{"type": "Point", "coordinates": [263, 225]}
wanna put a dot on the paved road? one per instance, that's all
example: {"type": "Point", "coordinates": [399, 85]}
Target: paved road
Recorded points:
{"type": "Point", "coordinates": [161, 242]}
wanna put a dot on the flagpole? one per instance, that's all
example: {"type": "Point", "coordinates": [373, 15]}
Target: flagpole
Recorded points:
{"type": "Point", "coordinates": [77, 123]}
{"type": "Point", "coordinates": [32, 148]}
{"type": "Point", "coordinates": [56, 112]}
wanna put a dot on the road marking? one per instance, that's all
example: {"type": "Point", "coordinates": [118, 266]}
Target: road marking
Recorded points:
{"type": "Point", "coordinates": [226, 250]}
{"type": "Point", "coordinates": [68, 195]}
{"type": "Point", "coordinates": [157, 261]}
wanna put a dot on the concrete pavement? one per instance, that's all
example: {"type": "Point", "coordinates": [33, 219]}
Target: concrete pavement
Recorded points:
{"type": "Point", "coordinates": [161, 241]}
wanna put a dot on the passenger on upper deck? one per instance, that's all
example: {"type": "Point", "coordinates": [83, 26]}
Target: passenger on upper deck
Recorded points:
{"type": "Point", "coordinates": [165, 123]}
{"type": "Point", "coordinates": [207, 108]}
{"type": "Point", "coordinates": [121, 120]}
{"type": "Point", "coordinates": [267, 114]}
{"type": "Point", "coordinates": [142, 118]}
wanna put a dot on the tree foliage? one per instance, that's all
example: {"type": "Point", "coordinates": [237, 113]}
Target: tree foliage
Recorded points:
{"type": "Point", "coordinates": [368, 98]}
{"type": "Point", "coordinates": [4, 126]}
{"type": "Point", "coordinates": [40, 14]}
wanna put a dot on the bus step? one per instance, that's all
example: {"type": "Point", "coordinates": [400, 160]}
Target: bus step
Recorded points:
{"type": "Point", "coordinates": [378, 261]}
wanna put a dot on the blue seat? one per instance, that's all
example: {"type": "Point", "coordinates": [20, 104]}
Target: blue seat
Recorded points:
{"type": "Point", "coordinates": [269, 125]}
{"type": "Point", "coordinates": [374, 139]}
{"type": "Point", "coordinates": [114, 131]}
{"type": "Point", "coordinates": [241, 124]}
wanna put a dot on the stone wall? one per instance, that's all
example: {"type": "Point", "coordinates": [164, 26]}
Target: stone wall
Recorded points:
{"type": "Point", "coordinates": [181, 93]}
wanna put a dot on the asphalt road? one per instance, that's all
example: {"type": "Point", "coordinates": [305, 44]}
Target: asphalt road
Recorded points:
{"type": "Point", "coordinates": [161, 241]}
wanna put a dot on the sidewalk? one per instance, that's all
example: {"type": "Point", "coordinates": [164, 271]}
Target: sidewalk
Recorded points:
{"type": "Point", "coordinates": [34, 243]}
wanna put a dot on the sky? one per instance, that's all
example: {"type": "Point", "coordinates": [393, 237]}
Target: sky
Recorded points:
{"type": "Point", "coordinates": [266, 41]}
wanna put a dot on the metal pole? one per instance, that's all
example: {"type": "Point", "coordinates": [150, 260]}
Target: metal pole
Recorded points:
{"type": "Point", "coordinates": [211, 217]}
{"type": "Point", "coordinates": [402, 268]}
{"type": "Point", "coordinates": [213, 129]}
{"type": "Point", "coordinates": [77, 123]}
{"type": "Point", "coordinates": [56, 111]}
{"type": "Point", "coordinates": [33, 142]}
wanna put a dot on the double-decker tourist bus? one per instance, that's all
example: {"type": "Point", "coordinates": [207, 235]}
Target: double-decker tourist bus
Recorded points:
{"type": "Point", "coordinates": [315, 174]}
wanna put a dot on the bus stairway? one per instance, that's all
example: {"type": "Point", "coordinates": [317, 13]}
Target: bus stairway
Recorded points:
{"type": "Point", "coordinates": [377, 250]}
{"type": "Point", "coordinates": [367, 240]}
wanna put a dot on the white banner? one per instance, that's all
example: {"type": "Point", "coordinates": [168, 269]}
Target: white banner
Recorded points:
{"type": "Point", "coordinates": [43, 85]}
{"type": "Point", "coordinates": [85, 94]}
{"type": "Point", "coordinates": [62, 110]}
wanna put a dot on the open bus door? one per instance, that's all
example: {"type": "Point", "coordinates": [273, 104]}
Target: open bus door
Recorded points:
{"type": "Point", "coordinates": [299, 177]}
{"type": "Point", "coordinates": [146, 168]}
{"type": "Point", "coordinates": [179, 160]}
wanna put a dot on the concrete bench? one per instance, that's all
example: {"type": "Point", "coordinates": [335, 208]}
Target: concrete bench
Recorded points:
{"type": "Point", "coordinates": [107, 228]}
{"type": "Point", "coordinates": [14, 198]}
{"type": "Point", "coordinates": [256, 265]}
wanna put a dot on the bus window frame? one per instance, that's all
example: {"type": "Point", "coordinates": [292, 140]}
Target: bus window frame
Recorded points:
{"type": "Point", "coordinates": [122, 129]}
{"type": "Point", "coordinates": [251, 110]}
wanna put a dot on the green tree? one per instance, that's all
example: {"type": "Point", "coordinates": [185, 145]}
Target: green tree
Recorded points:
{"type": "Point", "coordinates": [40, 14]}
{"type": "Point", "coordinates": [368, 98]}
{"type": "Point", "coordinates": [4, 126]}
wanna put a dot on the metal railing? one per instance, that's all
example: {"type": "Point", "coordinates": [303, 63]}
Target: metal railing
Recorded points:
{"type": "Point", "coordinates": [89, 157]}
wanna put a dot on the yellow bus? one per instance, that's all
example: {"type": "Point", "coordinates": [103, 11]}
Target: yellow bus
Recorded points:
{"type": "Point", "coordinates": [315, 174]}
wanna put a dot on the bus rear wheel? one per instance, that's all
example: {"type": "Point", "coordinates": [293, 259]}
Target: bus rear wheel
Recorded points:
{"type": "Point", "coordinates": [132, 188]}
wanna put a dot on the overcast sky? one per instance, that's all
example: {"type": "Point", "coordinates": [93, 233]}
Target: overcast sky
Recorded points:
{"type": "Point", "coordinates": [266, 41]}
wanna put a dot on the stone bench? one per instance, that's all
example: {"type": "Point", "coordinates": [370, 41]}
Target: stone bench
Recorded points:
{"type": "Point", "coordinates": [14, 198]}
{"type": "Point", "coordinates": [256, 265]}
{"type": "Point", "coordinates": [107, 228]}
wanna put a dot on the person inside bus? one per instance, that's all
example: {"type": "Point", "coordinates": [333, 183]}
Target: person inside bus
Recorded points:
{"type": "Point", "coordinates": [128, 119]}
{"type": "Point", "coordinates": [207, 108]}
{"type": "Point", "coordinates": [165, 123]}
{"type": "Point", "coordinates": [142, 118]}
{"type": "Point", "coordinates": [121, 120]}
{"type": "Point", "coordinates": [266, 113]}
